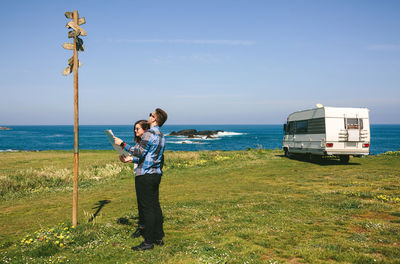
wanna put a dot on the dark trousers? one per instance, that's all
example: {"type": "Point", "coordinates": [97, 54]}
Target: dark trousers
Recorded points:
{"type": "Point", "coordinates": [140, 209]}
{"type": "Point", "coordinates": [147, 193]}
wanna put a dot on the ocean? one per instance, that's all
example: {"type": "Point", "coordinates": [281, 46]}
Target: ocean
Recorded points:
{"type": "Point", "coordinates": [235, 137]}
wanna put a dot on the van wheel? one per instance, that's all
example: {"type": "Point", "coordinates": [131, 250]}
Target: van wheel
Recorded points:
{"type": "Point", "coordinates": [287, 154]}
{"type": "Point", "coordinates": [344, 159]}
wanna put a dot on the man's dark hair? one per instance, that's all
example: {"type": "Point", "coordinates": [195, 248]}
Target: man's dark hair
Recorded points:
{"type": "Point", "coordinates": [161, 116]}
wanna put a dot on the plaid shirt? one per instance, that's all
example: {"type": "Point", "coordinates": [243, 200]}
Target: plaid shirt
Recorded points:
{"type": "Point", "coordinates": [149, 152]}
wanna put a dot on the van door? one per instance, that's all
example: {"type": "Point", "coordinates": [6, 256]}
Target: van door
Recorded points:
{"type": "Point", "coordinates": [353, 127]}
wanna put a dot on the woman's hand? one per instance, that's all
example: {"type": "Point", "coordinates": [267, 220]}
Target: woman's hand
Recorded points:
{"type": "Point", "coordinates": [118, 141]}
{"type": "Point", "coordinates": [124, 159]}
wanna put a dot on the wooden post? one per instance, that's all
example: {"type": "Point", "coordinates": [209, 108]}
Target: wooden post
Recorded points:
{"type": "Point", "coordinates": [76, 131]}
{"type": "Point", "coordinates": [73, 65]}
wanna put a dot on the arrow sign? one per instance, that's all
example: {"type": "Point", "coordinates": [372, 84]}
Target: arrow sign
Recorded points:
{"type": "Point", "coordinates": [74, 33]}
{"type": "Point", "coordinates": [71, 62]}
{"type": "Point", "coordinates": [81, 21]}
{"type": "Point", "coordinates": [69, 15]}
{"type": "Point", "coordinates": [68, 46]}
{"type": "Point", "coordinates": [67, 70]}
{"type": "Point", "coordinates": [79, 44]}
{"type": "Point", "coordinates": [74, 26]}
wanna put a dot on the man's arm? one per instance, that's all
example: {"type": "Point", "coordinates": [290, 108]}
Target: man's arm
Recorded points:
{"type": "Point", "coordinates": [128, 148]}
{"type": "Point", "coordinates": [141, 149]}
{"type": "Point", "coordinates": [129, 159]}
{"type": "Point", "coordinates": [117, 141]}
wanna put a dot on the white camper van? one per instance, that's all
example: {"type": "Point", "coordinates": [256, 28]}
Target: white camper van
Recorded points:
{"type": "Point", "coordinates": [328, 131]}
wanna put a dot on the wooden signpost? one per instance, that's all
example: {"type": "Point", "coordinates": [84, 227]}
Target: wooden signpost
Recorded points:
{"type": "Point", "coordinates": [73, 64]}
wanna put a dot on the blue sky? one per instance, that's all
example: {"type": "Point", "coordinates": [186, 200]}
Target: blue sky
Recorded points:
{"type": "Point", "coordinates": [204, 62]}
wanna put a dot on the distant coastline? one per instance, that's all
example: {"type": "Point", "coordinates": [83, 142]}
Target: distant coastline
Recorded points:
{"type": "Point", "coordinates": [5, 128]}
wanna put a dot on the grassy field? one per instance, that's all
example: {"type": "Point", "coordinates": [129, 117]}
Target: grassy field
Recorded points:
{"type": "Point", "coordinates": [252, 206]}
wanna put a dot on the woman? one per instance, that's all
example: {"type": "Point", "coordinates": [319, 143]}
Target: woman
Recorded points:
{"type": "Point", "coordinates": [140, 127]}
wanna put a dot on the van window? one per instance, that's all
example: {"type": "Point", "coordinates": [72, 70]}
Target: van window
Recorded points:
{"type": "Point", "coordinates": [316, 126]}
{"type": "Point", "coordinates": [291, 127]}
{"type": "Point", "coordinates": [353, 123]}
{"type": "Point", "coordinates": [301, 127]}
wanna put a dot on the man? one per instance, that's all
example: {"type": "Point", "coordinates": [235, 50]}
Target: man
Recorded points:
{"type": "Point", "coordinates": [150, 157]}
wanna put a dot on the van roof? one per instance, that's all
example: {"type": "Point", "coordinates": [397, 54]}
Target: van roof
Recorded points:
{"type": "Point", "coordinates": [328, 111]}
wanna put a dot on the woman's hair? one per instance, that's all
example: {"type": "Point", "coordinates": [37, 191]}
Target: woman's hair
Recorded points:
{"type": "Point", "coordinates": [144, 125]}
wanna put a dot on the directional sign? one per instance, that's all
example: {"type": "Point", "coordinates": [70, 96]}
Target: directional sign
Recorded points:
{"type": "Point", "coordinates": [74, 33]}
{"type": "Point", "coordinates": [67, 70]}
{"type": "Point", "coordinates": [68, 46]}
{"type": "Point", "coordinates": [79, 44]}
{"type": "Point", "coordinates": [74, 26]}
{"type": "Point", "coordinates": [69, 15]}
{"type": "Point", "coordinates": [81, 21]}
{"type": "Point", "coordinates": [71, 62]}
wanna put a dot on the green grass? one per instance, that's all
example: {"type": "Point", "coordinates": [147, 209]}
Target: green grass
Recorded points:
{"type": "Point", "coordinates": [252, 206]}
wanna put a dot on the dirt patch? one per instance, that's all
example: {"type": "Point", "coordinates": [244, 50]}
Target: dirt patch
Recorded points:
{"type": "Point", "coordinates": [358, 229]}
{"type": "Point", "coordinates": [376, 216]}
{"type": "Point", "coordinates": [294, 261]}
{"type": "Point", "coordinates": [268, 255]}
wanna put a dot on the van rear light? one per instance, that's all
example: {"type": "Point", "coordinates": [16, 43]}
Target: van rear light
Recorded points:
{"type": "Point", "coordinates": [366, 145]}
{"type": "Point", "coordinates": [329, 145]}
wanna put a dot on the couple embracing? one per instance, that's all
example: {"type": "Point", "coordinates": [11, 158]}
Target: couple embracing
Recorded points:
{"type": "Point", "coordinates": [148, 153]}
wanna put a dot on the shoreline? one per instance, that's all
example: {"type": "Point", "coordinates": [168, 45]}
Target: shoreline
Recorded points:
{"type": "Point", "coordinates": [110, 150]}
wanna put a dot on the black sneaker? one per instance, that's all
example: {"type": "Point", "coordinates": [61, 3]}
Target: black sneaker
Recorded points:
{"type": "Point", "coordinates": [143, 246]}
{"type": "Point", "coordinates": [137, 233]}
{"type": "Point", "coordinates": [159, 242]}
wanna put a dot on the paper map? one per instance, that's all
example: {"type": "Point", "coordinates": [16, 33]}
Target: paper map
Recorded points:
{"type": "Point", "coordinates": [117, 148]}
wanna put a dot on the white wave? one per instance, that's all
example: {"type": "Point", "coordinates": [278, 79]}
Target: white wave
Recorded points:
{"type": "Point", "coordinates": [8, 150]}
{"type": "Point", "coordinates": [186, 142]}
{"type": "Point", "coordinates": [229, 134]}
{"type": "Point", "coordinates": [199, 137]}
{"type": "Point", "coordinates": [56, 135]}
{"type": "Point", "coordinates": [212, 137]}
